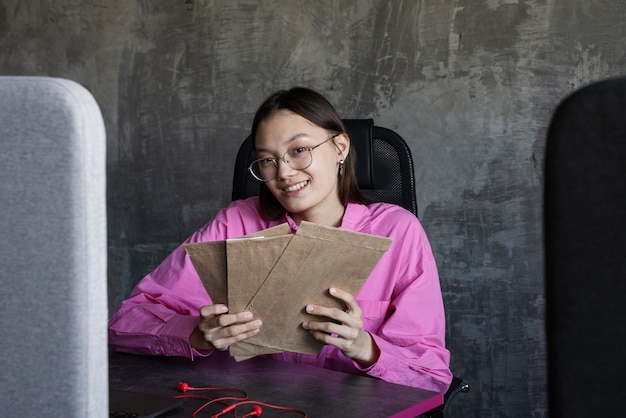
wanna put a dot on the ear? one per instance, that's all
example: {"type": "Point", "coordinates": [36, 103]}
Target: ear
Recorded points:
{"type": "Point", "coordinates": [342, 141]}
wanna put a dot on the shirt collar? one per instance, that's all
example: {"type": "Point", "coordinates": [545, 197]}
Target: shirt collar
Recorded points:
{"type": "Point", "coordinates": [357, 217]}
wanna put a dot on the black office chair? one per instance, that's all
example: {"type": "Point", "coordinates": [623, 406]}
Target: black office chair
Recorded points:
{"type": "Point", "coordinates": [457, 386]}
{"type": "Point", "coordinates": [384, 171]}
{"type": "Point", "coordinates": [585, 250]}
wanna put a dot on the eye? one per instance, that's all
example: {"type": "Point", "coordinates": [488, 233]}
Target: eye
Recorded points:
{"type": "Point", "coordinates": [266, 162]}
{"type": "Point", "coordinates": [295, 152]}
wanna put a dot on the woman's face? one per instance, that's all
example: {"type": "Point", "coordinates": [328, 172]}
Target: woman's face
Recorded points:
{"type": "Point", "coordinates": [311, 193]}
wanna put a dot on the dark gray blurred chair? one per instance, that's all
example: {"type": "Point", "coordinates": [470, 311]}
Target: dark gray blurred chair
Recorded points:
{"type": "Point", "coordinates": [384, 171]}
{"type": "Point", "coordinates": [53, 302]}
{"type": "Point", "coordinates": [585, 249]}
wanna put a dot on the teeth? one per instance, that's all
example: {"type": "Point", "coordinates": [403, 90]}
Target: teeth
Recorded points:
{"type": "Point", "coordinates": [295, 187]}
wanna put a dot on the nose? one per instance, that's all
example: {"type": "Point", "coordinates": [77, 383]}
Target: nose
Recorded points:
{"type": "Point", "coordinates": [283, 169]}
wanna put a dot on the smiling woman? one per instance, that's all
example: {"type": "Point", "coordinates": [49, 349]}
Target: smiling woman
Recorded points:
{"type": "Point", "coordinates": [309, 192]}
{"type": "Point", "coordinates": [393, 328]}
{"type": "Point", "coordinates": [315, 118]}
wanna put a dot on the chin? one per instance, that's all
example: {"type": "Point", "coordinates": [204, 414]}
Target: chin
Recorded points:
{"type": "Point", "coordinates": [293, 209]}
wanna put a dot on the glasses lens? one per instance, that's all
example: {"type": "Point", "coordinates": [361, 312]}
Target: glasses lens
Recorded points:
{"type": "Point", "coordinates": [263, 170]}
{"type": "Point", "coordinates": [299, 158]}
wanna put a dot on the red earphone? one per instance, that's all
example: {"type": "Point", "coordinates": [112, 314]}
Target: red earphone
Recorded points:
{"type": "Point", "coordinates": [255, 411]}
{"type": "Point", "coordinates": [184, 387]}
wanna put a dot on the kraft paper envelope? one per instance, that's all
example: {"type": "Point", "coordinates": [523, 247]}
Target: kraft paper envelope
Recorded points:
{"type": "Point", "coordinates": [316, 258]}
{"type": "Point", "coordinates": [249, 261]}
{"type": "Point", "coordinates": [209, 260]}
{"type": "Point", "coordinates": [244, 350]}
{"type": "Point", "coordinates": [277, 273]}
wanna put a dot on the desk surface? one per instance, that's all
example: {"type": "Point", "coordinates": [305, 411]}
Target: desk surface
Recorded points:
{"type": "Point", "coordinates": [319, 392]}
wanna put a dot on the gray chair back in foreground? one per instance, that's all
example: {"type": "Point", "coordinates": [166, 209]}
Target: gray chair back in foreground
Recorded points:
{"type": "Point", "coordinates": [53, 297]}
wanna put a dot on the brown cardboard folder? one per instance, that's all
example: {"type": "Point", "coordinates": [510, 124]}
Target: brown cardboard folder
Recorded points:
{"type": "Point", "coordinates": [209, 260]}
{"type": "Point", "coordinates": [276, 274]}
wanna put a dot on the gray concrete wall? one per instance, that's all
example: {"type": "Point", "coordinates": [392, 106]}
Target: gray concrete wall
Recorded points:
{"type": "Point", "coordinates": [470, 84]}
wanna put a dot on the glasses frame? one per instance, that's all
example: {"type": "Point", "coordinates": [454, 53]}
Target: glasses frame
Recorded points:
{"type": "Point", "coordinates": [275, 160]}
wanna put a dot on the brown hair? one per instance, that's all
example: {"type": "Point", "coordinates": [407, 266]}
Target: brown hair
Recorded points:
{"type": "Point", "coordinates": [316, 109]}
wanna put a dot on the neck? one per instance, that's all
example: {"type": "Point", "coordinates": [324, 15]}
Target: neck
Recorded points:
{"type": "Point", "coordinates": [329, 219]}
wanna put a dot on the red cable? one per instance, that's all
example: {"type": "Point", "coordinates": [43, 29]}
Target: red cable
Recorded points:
{"type": "Point", "coordinates": [256, 410]}
{"type": "Point", "coordinates": [184, 387]}
{"type": "Point", "coordinates": [235, 405]}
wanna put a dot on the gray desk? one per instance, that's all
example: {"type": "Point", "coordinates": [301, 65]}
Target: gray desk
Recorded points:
{"type": "Point", "coordinates": [319, 392]}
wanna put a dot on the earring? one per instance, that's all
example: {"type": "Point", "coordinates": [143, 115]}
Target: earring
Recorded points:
{"type": "Point", "coordinates": [340, 168]}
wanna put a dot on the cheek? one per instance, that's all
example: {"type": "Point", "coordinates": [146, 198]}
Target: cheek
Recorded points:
{"type": "Point", "coordinates": [326, 165]}
{"type": "Point", "coordinates": [271, 185]}
{"type": "Point", "coordinates": [322, 174]}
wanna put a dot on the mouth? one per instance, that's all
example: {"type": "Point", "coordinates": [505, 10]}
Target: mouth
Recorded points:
{"type": "Point", "coordinates": [295, 187]}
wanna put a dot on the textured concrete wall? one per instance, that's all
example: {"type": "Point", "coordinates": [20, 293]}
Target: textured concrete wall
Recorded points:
{"type": "Point", "coordinates": [470, 84]}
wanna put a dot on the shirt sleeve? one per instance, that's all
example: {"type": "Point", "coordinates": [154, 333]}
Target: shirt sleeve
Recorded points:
{"type": "Point", "coordinates": [412, 337]}
{"type": "Point", "coordinates": [418, 358]}
{"type": "Point", "coordinates": [163, 309]}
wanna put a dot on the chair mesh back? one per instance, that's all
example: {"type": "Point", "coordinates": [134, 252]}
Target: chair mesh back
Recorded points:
{"type": "Point", "coordinates": [388, 187]}
{"type": "Point", "coordinates": [251, 185]}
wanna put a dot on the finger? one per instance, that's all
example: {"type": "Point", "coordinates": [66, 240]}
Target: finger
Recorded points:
{"type": "Point", "coordinates": [223, 344]}
{"type": "Point", "coordinates": [231, 319]}
{"type": "Point", "coordinates": [226, 337]}
{"type": "Point", "coordinates": [225, 320]}
{"type": "Point", "coordinates": [334, 339]}
{"type": "Point", "coordinates": [347, 298]}
{"type": "Point", "coordinates": [211, 324]}
{"type": "Point", "coordinates": [223, 337]}
{"type": "Point", "coordinates": [350, 319]}
{"type": "Point", "coordinates": [210, 311]}
{"type": "Point", "coordinates": [331, 313]}
{"type": "Point", "coordinates": [331, 329]}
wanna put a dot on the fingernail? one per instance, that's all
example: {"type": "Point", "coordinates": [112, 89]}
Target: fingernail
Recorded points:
{"type": "Point", "coordinates": [247, 315]}
{"type": "Point", "coordinates": [257, 323]}
{"type": "Point", "coordinates": [309, 308]}
{"type": "Point", "coordinates": [332, 290]}
{"type": "Point", "coordinates": [305, 325]}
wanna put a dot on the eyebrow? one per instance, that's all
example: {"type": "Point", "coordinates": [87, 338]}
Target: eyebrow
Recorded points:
{"type": "Point", "coordinates": [288, 141]}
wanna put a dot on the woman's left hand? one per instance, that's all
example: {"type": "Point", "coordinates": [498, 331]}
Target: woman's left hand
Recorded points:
{"type": "Point", "coordinates": [346, 333]}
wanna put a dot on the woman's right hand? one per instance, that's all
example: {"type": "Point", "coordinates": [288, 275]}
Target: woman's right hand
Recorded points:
{"type": "Point", "coordinates": [219, 329]}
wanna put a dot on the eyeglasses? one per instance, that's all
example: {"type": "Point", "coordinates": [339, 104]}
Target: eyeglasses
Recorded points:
{"type": "Point", "coordinates": [298, 158]}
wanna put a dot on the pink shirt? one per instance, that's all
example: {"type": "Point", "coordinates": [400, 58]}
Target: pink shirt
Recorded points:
{"type": "Point", "coordinates": [401, 301]}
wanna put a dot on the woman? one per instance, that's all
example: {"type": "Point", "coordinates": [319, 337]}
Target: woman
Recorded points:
{"type": "Point", "coordinates": [393, 328]}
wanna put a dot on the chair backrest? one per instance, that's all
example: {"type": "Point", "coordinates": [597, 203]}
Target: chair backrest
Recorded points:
{"type": "Point", "coordinates": [384, 165]}
{"type": "Point", "coordinates": [53, 255]}
{"type": "Point", "coordinates": [585, 249]}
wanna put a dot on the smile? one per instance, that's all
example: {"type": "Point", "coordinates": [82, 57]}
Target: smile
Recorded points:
{"type": "Point", "coordinates": [295, 187]}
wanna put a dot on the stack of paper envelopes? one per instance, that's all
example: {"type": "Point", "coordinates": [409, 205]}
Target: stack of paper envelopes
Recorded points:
{"type": "Point", "coordinates": [274, 274]}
